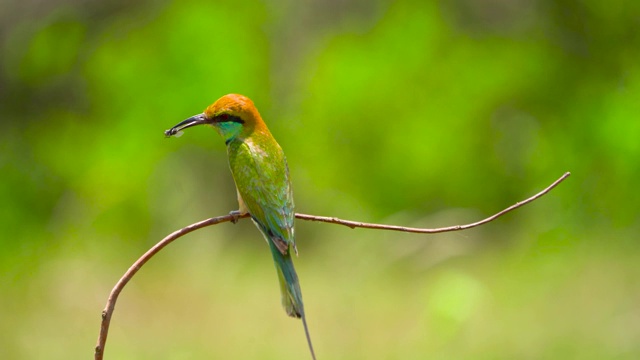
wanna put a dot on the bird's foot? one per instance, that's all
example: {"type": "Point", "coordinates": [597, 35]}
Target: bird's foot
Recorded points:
{"type": "Point", "coordinates": [236, 214]}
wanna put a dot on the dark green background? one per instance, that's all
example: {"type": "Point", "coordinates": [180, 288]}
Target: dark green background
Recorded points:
{"type": "Point", "coordinates": [405, 112]}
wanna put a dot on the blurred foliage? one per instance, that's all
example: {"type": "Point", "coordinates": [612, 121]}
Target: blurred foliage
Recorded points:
{"type": "Point", "coordinates": [406, 112]}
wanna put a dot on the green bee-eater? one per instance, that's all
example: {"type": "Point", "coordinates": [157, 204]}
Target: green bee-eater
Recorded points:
{"type": "Point", "coordinates": [261, 175]}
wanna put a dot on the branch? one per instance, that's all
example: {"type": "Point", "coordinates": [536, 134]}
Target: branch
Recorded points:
{"type": "Point", "coordinates": [357, 224]}
{"type": "Point", "coordinates": [113, 297]}
{"type": "Point", "coordinates": [117, 289]}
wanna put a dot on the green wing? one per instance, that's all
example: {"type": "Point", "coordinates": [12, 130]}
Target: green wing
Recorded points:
{"type": "Point", "coordinates": [261, 175]}
{"type": "Point", "coordinates": [260, 171]}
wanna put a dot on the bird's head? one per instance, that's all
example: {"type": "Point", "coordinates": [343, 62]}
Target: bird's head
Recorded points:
{"type": "Point", "coordinates": [232, 116]}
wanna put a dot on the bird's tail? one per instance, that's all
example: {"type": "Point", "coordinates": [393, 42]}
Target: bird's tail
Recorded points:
{"type": "Point", "coordinates": [290, 289]}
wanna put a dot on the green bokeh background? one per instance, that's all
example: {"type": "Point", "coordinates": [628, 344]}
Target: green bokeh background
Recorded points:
{"type": "Point", "coordinates": [405, 112]}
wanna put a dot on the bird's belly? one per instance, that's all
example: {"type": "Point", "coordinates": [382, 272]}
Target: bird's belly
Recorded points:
{"type": "Point", "coordinates": [242, 208]}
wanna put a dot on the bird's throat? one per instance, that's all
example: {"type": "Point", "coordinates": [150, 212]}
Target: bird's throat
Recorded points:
{"type": "Point", "coordinates": [229, 130]}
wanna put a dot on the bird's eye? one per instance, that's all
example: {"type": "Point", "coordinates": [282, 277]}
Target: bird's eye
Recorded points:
{"type": "Point", "coordinates": [228, 118]}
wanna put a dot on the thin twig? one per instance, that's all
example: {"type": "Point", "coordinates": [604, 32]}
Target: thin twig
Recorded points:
{"type": "Point", "coordinates": [117, 289]}
{"type": "Point", "coordinates": [357, 224]}
{"type": "Point", "coordinates": [113, 297]}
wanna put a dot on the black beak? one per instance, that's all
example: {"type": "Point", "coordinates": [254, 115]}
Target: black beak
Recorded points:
{"type": "Point", "coordinates": [192, 121]}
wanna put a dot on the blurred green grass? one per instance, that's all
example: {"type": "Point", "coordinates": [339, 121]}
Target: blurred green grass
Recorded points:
{"type": "Point", "coordinates": [395, 112]}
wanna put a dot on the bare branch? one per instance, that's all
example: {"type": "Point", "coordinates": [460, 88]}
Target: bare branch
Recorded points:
{"type": "Point", "coordinates": [357, 224]}
{"type": "Point", "coordinates": [113, 297]}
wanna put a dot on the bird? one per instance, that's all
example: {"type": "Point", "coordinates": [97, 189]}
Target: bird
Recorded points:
{"type": "Point", "coordinates": [261, 175]}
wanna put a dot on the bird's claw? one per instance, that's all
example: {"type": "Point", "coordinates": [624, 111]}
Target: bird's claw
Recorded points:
{"type": "Point", "coordinates": [235, 215]}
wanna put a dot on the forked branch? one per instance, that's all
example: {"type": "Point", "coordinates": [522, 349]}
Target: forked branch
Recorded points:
{"type": "Point", "coordinates": [113, 297]}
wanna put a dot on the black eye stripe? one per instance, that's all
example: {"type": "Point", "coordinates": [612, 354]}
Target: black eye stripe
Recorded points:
{"type": "Point", "coordinates": [228, 118]}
